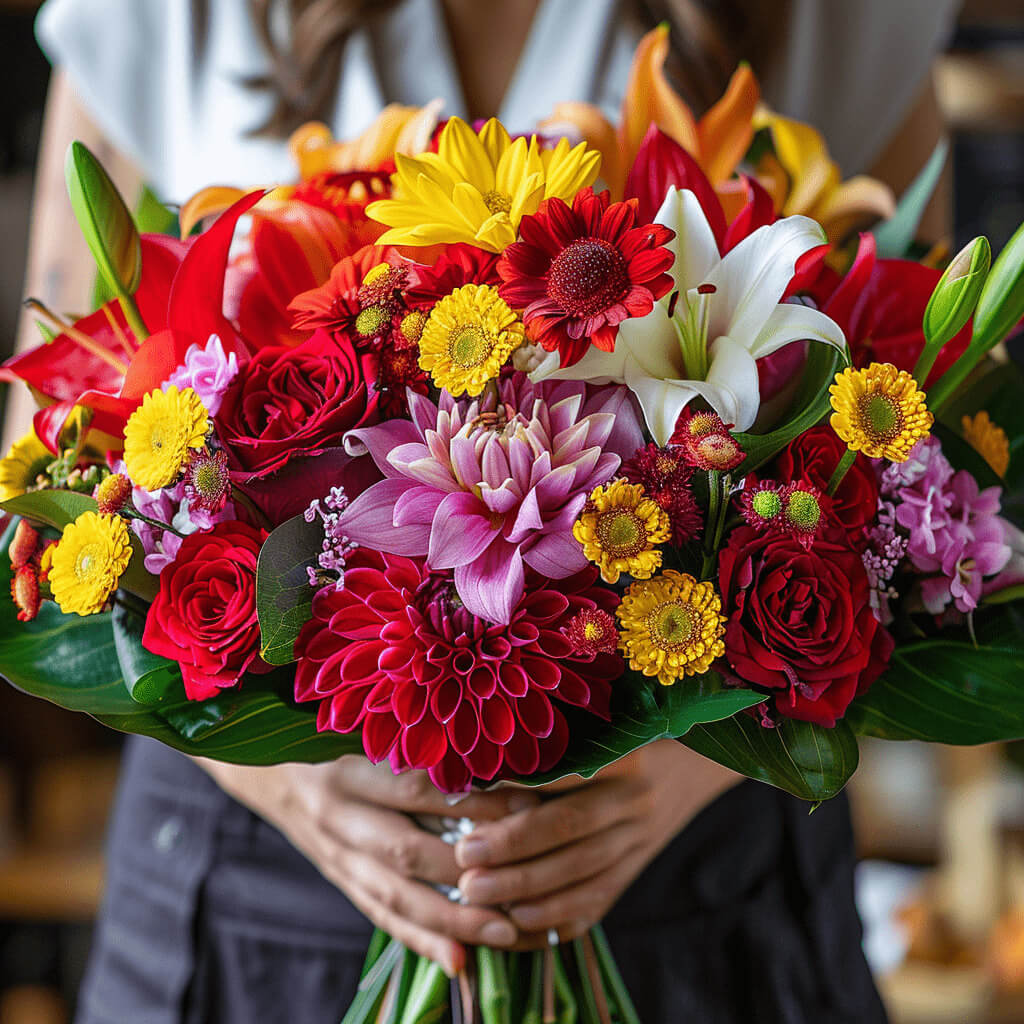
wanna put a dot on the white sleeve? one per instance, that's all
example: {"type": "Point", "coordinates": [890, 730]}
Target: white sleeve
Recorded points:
{"type": "Point", "coordinates": [853, 68]}
{"type": "Point", "coordinates": [164, 81]}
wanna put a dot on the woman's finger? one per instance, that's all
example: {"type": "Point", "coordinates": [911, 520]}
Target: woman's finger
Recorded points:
{"type": "Point", "coordinates": [556, 823]}
{"type": "Point", "coordinates": [548, 874]}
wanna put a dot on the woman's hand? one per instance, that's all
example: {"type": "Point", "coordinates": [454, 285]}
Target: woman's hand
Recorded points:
{"type": "Point", "coordinates": [563, 864]}
{"type": "Point", "coordinates": [350, 818]}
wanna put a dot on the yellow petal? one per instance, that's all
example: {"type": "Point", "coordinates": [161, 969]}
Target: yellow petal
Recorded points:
{"type": "Point", "coordinates": [418, 129]}
{"type": "Point", "coordinates": [310, 148]}
{"type": "Point", "coordinates": [650, 99]}
{"type": "Point", "coordinates": [854, 204]}
{"type": "Point", "coordinates": [495, 140]}
{"type": "Point", "coordinates": [801, 151]}
{"type": "Point", "coordinates": [460, 147]}
{"type": "Point", "coordinates": [726, 130]}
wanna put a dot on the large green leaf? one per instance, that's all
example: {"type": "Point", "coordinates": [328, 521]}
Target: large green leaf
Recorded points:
{"type": "Point", "coordinates": [809, 407]}
{"type": "Point", "coordinates": [284, 598]}
{"type": "Point", "coordinates": [807, 760]}
{"type": "Point", "coordinates": [895, 236]}
{"type": "Point", "coordinates": [949, 691]}
{"type": "Point", "coordinates": [643, 711]}
{"type": "Point", "coordinates": [105, 221]}
{"type": "Point", "coordinates": [149, 678]}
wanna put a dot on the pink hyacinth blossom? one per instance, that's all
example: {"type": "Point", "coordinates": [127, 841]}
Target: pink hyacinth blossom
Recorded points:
{"type": "Point", "coordinates": [208, 371]}
{"type": "Point", "coordinates": [490, 490]}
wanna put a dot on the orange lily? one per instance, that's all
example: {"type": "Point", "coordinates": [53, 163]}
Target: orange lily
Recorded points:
{"type": "Point", "coordinates": [816, 188]}
{"type": "Point", "coordinates": [717, 141]}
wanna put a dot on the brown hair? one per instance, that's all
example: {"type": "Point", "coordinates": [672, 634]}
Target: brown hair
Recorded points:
{"type": "Point", "coordinates": [709, 38]}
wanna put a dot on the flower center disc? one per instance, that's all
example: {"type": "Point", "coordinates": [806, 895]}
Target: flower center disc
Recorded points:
{"type": "Point", "coordinates": [468, 345]}
{"type": "Point", "coordinates": [881, 416]}
{"type": "Point", "coordinates": [497, 202]}
{"type": "Point", "coordinates": [621, 533]}
{"type": "Point", "coordinates": [672, 625]}
{"type": "Point", "coordinates": [85, 561]}
{"type": "Point", "coordinates": [803, 510]}
{"type": "Point", "coordinates": [371, 320]}
{"type": "Point", "coordinates": [587, 277]}
{"type": "Point", "coordinates": [767, 504]}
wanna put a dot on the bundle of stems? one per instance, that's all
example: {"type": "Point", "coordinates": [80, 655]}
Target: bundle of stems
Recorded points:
{"type": "Point", "coordinates": [573, 983]}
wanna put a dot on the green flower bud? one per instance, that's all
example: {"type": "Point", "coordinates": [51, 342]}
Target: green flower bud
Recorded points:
{"type": "Point", "coordinates": [1002, 300]}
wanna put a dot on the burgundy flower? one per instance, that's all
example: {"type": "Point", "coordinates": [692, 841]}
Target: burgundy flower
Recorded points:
{"type": "Point", "coordinates": [665, 477]}
{"type": "Point", "coordinates": [800, 622]}
{"type": "Point", "coordinates": [433, 687]}
{"type": "Point", "coordinates": [204, 616]}
{"type": "Point", "coordinates": [291, 402]}
{"type": "Point", "coordinates": [580, 271]}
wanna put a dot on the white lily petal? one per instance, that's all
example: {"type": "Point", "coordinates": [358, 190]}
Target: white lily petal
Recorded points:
{"type": "Point", "coordinates": [794, 322]}
{"type": "Point", "coordinates": [661, 400]}
{"type": "Point", "coordinates": [694, 247]}
{"type": "Point", "coordinates": [751, 278]}
{"type": "Point", "coordinates": [731, 388]}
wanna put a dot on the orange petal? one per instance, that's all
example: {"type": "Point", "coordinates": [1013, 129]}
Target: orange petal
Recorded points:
{"type": "Point", "coordinates": [418, 129]}
{"type": "Point", "coordinates": [650, 99]}
{"type": "Point", "coordinates": [310, 146]}
{"type": "Point", "coordinates": [585, 122]}
{"type": "Point", "coordinates": [726, 130]}
{"type": "Point", "coordinates": [801, 151]}
{"type": "Point", "coordinates": [855, 204]}
{"type": "Point", "coordinates": [205, 203]}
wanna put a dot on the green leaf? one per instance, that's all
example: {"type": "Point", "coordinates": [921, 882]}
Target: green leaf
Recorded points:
{"type": "Point", "coordinates": [152, 217]}
{"type": "Point", "coordinates": [895, 236]}
{"type": "Point", "coordinates": [642, 711]}
{"type": "Point", "coordinates": [1001, 305]}
{"type": "Point", "coordinates": [810, 406]}
{"type": "Point", "coordinates": [149, 678]}
{"type": "Point", "coordinates": [51, 508]}
{"type": "Point", "coordinates": [947, 691]}
{"type": "Point", "coordinates": [284, 598]}
{"type": "Point", "coordinates": [105, 221]}
{"type": "Point", "coordinates": [807, 760]}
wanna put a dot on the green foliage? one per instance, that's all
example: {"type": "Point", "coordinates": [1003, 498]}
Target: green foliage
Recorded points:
{"type": "Point", "coordinates": [895, 236]}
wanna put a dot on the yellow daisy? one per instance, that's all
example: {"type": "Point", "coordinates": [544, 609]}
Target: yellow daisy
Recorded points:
{"type": "Point", "coordinates": [477, 187]}
{"type": "Point", "coordinates": [88, 561]}
{"type": "Point", "coordinates": [619, 529]}
{"type": "Point", "coordinates": [160, 434]}
{"type": "Point", "coordinates": [879, 411]}
{"type": "Point", "coordinates": [467, 339]}
{"type": "Point", "coordinates": [672, 626]}
{"type": "Point", "coordinates": [989, 440]}
{"type": "Point", "coordinates": [27, 458]}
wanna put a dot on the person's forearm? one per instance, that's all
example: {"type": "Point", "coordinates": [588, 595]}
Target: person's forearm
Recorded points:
{"type": "Point", "coordinates": [59, 270]}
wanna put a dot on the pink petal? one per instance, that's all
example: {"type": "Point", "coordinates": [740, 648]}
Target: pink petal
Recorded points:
{"type": "Point", "coordinates": [460, 533]}
{"type": "Point", "coordinates": [492, 584]}
{"type": "Point", "coordinates": [369, 521]}
{"type": "Point", "coordinates": [556, 555]}
{"type": "Point", "coordinates": [380, 440]}
{"type": "Point", "coordinates": [417, 506]}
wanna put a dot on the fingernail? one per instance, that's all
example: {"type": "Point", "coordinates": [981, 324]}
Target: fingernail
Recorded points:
{"type": "Point", "coordinates": [521, 802]}
{"type": "Point", "coordinates": [498, 933]}
{"type": "Point", "coordinates": [480, 889]}
{"type": "Point", "coordinates": [471, 853]}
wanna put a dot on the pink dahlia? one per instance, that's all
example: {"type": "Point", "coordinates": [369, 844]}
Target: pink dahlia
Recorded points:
{"type": "Point", "coordinates": [437, 689]}
{"type": "Point", "coordinates": [489, 490]}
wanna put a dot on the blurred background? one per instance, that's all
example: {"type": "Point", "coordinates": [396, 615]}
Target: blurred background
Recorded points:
{"type": "Point", "coordinates": [940, 831]}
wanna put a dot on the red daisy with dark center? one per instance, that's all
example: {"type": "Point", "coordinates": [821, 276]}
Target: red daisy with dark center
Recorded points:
{"type": "Point", "coordinates": [432, 687]}
{"type": "Point", "coordinates": [579, 271]}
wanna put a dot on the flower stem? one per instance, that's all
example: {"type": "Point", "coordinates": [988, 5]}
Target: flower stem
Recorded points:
{"type": "Point", "coordinates": [134, 317]}
{"type": "Point", "coordinates": [841, 470]}
{"type": "Point", "coordinates": [134, 513]}
{"type": "Point", "coordinates": [493, 988]}
{"type": "Point", "coordinates": [80, 338]}
{"type": "Point", "coordinates": [718, 509]}
{"type": "Point", "coordinates": [611, 972]}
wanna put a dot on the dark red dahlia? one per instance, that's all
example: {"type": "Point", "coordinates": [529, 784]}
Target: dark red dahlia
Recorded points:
{"type": "Point", "coordinates": [580, 271]}
{"type": "Point", "coordinates": [665, 477]}
{"type": "Point", "coordinates": [435, 688]}
{"type": "Point", "coordinates": [592, 632]}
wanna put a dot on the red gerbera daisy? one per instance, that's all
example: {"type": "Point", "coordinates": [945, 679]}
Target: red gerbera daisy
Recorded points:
{"type": "Point", "coordinates": [458, 264]}
{"type": "Point", "coordinates": [435, 688]}
{"type": "Point", "coordinates": [580, 271]}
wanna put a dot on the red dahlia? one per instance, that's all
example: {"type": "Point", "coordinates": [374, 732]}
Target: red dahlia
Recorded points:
{"type": "Point", "coordinates": [435, 688]}
{"type": "Point", "coordinates": [580, 271]}
{"type": "Point", "coordinates": [665, 476]}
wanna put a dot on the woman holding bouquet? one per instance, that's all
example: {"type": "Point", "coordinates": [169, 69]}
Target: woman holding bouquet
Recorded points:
{"type": "Point", "coordinates": [237, 894]}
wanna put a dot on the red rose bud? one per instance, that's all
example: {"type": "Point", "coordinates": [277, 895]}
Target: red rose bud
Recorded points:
{"type": "Point", "coordinates": [24, 545]}
{"type": "Point", "coordinates": [25, 593]}
{"type": "Point", "coordinates": [113, 495]}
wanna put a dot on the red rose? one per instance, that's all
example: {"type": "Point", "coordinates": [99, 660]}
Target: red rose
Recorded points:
{"type": "Point", "coordinates": [799, 622]}
{"type": "Point", "coordinates": [288, 402]}
{"type": "Point", "coordinates": [204, 616]}
{"type": "Point", "coordinates": [813, 457]}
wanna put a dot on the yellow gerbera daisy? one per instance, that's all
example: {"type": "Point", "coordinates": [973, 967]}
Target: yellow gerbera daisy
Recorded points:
{"type": "Point", "coordinates": [989, 440]}
{"type": "Point", "coordinates": [672, 626]}
{"type": "Point", "coordinates": [160, 434]}
{"type": "Point", "coordinates": [619, 529]}
{"type": "Point", "coordinates": [879, 411]}
{"type": "Point", "coordinates": [477, 187]}
{"type": "Point", "coordinates": [27, 458]}
{"type": "Point", "coordinates": [88, 561]}
{"type": "Point", "coordinates": [467, 339]}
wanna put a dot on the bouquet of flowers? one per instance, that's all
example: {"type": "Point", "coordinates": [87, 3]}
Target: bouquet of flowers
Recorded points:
{"type": "Point", "coordinates": [498, 458]}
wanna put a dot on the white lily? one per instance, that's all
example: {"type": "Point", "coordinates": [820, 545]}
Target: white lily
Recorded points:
{"type": "Point", "coordinates": [727, 315]}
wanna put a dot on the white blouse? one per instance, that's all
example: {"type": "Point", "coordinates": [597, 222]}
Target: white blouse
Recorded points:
{"type": "Point", "coordinates": [164, 79]}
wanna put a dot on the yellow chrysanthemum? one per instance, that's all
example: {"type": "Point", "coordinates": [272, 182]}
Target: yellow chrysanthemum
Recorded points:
{"type": "Point", "coordinates": [619, 529]}
{"type": "Point", "coordinates": [989, 440]}
{"type": "Point", "coordinates": [160, 434]}
{"type": "Point", "coordinates": [672, 626]}
{"type": "Point", "coordinates": [467, 339]}
{"type": "Point", "coordinates": [477, 187]}
{"type": "Point", "coordinates": [27, 458]}
{"type": "Point", "coordinates": [88, 561]}
{"type": "Point", "coordinates": [879, 411]}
